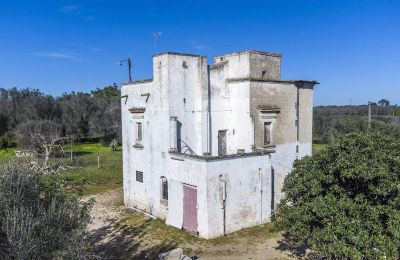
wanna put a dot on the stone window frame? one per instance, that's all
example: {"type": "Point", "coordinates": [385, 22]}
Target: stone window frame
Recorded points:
{"type": "Point", "coordinates": [268, 116]}
{"type": "Point", "coordinates": [138, 116]}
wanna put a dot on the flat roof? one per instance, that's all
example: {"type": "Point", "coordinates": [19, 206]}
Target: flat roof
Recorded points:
{"type": "Point", "coordinates": [177, 54]}
{"type": "Point", "coordinates": [250, 51]}
{"type": "Point", "coordinates": [271, 80]}
{"type": "Point", "coordinates": [133, 82]}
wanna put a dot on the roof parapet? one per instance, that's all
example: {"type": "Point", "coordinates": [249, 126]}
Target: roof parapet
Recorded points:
{"type": "Point", "coordinates": [177, 54]}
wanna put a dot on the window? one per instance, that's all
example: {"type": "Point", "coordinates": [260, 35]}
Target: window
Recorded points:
{"type": "Point", "coordinates": [139, 176]}
{"type": "Point", "coordinates": [139, 132]}
{"type": "Point", "coordinates": [164, 188]}
{"type": "Point", "coordinates": [221, 142]}
{"type": "Point", "coordinates": [267, 133]}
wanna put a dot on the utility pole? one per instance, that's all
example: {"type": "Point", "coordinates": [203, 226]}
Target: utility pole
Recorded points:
{"type": "Point", "coordinates": [129, 67]}
{"type": "Point", "coordinates": [369, 114]}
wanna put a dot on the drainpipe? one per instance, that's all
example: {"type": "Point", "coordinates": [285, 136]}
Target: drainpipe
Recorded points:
{"type": "Point", "coordinates": [223, 182]}
{"type": "Point", "coordinates": [261, 194]}
{"type": "Point", "coordinates": [209, 126]}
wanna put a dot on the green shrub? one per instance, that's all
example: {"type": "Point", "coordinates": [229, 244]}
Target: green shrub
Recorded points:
{"type": "Point", "coordinates": [7, 141]}
{"type": "Point", "coordinates": [38, 218]}
{"type": "Point", "coordinates": [344, 202]}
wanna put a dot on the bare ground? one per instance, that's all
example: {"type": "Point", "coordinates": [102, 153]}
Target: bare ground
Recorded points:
{"type": "Point", "coordinates": [122, 234]}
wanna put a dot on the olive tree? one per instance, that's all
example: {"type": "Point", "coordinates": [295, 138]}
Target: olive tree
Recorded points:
{"type": "Point", "coordinates": [38, 218]}
{"type": "Point", "coordinates": [42, 137]}
{"type": "Point", "coordinates": [344, 202]}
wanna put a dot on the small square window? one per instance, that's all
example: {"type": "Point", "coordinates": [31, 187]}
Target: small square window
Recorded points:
{"type": "Point", "coordinates": [139, 176]}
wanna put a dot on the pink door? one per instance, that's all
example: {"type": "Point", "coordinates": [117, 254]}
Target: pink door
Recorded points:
{"type": "Point", "coordinates": [190, 208]}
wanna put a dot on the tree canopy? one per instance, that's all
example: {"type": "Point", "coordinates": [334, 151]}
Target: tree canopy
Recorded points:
{"type": "Point", "coordinates": [78, 114]}
{"type": "Point", "coordinates": [344, 202]}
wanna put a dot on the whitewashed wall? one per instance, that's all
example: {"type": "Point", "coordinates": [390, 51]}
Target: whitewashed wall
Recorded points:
{"type": "Point", "coordinates": [181, 88]}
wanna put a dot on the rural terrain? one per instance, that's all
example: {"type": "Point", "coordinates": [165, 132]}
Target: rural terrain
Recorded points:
{"type": "Point", "coordinates": [120, 233]}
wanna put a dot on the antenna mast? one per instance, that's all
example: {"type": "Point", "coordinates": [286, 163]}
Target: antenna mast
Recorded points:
{"type": "Point", "coordinates": [157, 35]}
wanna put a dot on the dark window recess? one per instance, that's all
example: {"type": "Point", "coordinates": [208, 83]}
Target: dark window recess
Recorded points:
{"type": "Point", "coordinates": [267, 133]}
{"type": "Point", "coordinates": [139, 176]}
{"type": "Point", "coordinates": [221, 142]}
{"type": "Point", "coordinates": [138, 132]}
{"type": "Point", "coordinates": [263, 73]}
{"type": "Point", "coordinates": [164, 188]}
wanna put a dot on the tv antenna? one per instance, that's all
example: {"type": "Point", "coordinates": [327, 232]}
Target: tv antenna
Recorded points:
{"type": "Point", "coordinates": [157, 35]}
{"type": "Point", "coordinates": [129, 67]}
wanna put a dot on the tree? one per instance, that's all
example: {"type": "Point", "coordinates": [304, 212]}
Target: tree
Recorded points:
{"type": "Point", "coordinates": [108, 91]}
{"type": "Point", "coordinates": [41, 137]}
{"type": "Point", "coordinates": [344, 202]}
{"type": "Point", "coordinates": [77, 110]}
{"type": "Point", "coordinates": [38, 218]}
{"type": "Point", "coordinates": [384, 102]}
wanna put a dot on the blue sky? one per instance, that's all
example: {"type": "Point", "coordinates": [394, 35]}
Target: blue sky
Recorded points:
{"type": "Point", "coordinates": [351, 47]}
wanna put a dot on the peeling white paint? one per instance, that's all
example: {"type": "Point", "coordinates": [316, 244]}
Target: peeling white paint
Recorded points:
{"type": "Point", "coordinates": [203, 101]}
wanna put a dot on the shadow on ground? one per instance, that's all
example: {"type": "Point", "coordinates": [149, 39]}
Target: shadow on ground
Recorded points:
{"type": "Point", "coordinates": [120, 241]}
{"type": "Point", "coordinates": [300, 252]}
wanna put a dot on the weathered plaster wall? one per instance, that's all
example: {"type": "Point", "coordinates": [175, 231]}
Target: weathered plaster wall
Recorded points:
{"type": "Point", "coordinates": [230, 111]}
{"type": "Point", "coordinates": [265, 66]}
{"type": "Point", "coordinates": [187, 82]}
{"type": "Point", "coordinates": [248, 194]}
{"type": "Point", "coordinates": [252, 64]}
{"type": "Point", "coordinates": [274, 95]}
{"type": "Point", "coordinates": [305, 119]}
{"type": "Point", "coordinates": [282, 96]}
{"type": "Point", "coordinates": [205, 103]}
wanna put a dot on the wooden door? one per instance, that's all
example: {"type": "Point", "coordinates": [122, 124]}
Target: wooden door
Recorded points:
{"type": "Point", "coordinates": [190, 208]}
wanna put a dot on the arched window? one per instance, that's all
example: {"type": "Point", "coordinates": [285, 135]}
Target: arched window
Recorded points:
{"type": "Point", "coordinates": [164, 189]}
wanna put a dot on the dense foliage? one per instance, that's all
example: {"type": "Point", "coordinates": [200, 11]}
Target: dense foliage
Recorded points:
{"type": "Point", "coordinates": [78, 115]}
{"type": "Point", "coordinates": [38, 219]}
{"type": "Point", "coordinates": [344, 202]}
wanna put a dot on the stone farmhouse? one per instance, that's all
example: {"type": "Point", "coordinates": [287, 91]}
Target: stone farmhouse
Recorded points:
{"type": "Point", "coordinates": [207, 147]}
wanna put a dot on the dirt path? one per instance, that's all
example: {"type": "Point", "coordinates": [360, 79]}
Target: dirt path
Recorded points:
{"type": "Point", "coordinates": [120, 234]}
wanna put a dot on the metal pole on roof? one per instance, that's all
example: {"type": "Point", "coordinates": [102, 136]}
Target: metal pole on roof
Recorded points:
{"type": "Point", "coordinates": [157, 35]}
{"type": "Point", "coordinates": [128, 61]}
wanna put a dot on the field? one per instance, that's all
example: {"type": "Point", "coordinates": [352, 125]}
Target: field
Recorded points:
{"type": "Point", "coordinates": [121, 233]}
{"type": "Point", "coordinates": [85, 161]}
{"type": "Point", "coordinates": [97, 168]}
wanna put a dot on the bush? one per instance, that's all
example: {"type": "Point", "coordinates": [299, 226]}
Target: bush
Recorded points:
{"type": "Point", "coordinates": [38, 219]}
{"type": "Point", "coordinates": [114, 145]}
{"type": "Point", "coordinates": [7, 141]}
{"type": "Point", "coordinates": [344, 202]}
